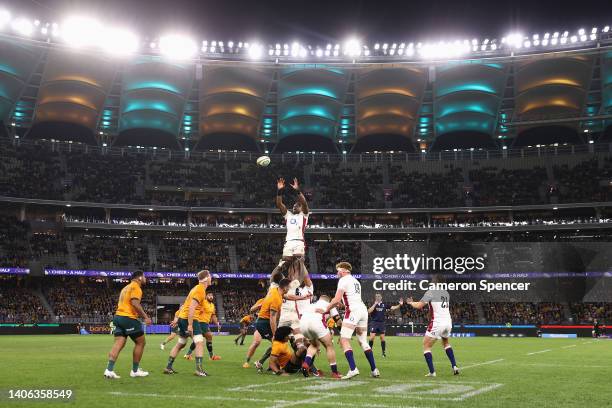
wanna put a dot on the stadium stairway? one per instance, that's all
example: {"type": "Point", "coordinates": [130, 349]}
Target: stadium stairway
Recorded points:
{"type": "Point", "coordinates": [233, 258]}
{"type": "Point", "coordinates": [43, 300]}
{"type": "Point", "coordinates": [152, 252]}
{"type": "Point", "coordinates": [219, 306]}
{"type": "Point", "coordinates": [480, 312]}
{"type": "Point", "coordinates": [312, 258]}
{"type": "Point", "coordinates": [73, 262]}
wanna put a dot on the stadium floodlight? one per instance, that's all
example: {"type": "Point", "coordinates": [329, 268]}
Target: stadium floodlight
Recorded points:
{"type": "Point", "coordinates": [176, 46]}
{"type": "Point", "coordinates": [319, 52]}
{"type": "Point", "coordinates": [606, 29]}
{"type": "Point", "coordinates": [554, 41]}
{"type": "Point", "coordinates": [573, 39]}
{"type": "Point", "coordinates": [594, 30]}
{"type": "Point", "coordinates": [118, 41]}
{"type": "Point", "coordinates": [81, 31]}
{"type": "Point", "coordinates": [376, 46]}
{"type": "Point", "coordinates": [546, 36]}
{"type": "Point", "coordinates": [255, 51]}
{"type": "Point", "coordinates": [583, 38]}
{"type": "Point", "coordinates": [22, 26]}
{"type": "Point", "coordinates": [515, 40]}
{"type": "Point", "coordinates": [352, 48]}
{"type": "Point", "coordinates": [593, 37]}
{"type": "Point", "coordinates": [581, 31]}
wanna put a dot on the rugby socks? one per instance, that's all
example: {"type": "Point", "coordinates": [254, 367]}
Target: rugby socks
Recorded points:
{"type": "Point", "coordinates": [370, 356]}
{"type": "Point", "coordinates": [451, 356]}
{"type": "Point", "coordinates": [429, 360]}
{"type": "Point", "coordinates": [170, 362]}
{"type": "Point", "coordinates": [111, 365]}
{"type": "Point", "coordinates": [265, 356]}
{"type": "Point", "coordinates": [199, 363]}
{"type": "Point", "coordinates": [383, 345]}
{"type": "Point", "coordinates": [191, 348]}
{"type": "Point", "coordinates": [209, 348]}
{"type": "Point", "coordinates": [371, 343]}
{"type": "Point", "coordinates": [308, 360]}
{"type": "Point", "coordinates": [334, 367]}
{"type": "Point", "coordinates": [242, 341]}
{"type": "Point", "coordinates": [135, 366]}
{"type": "Point", "coordinates": [351, 360]}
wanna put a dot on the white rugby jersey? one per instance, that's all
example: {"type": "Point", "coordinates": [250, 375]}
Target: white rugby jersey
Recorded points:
{"type": "Point", "coordinates": [311, 310]}
{"type": "Point", "coordinates": [301, 305]}
{"type": "Point", "coordinates": [289, 305]}
{"type": "Point", "coordinates": [352, 292]}
{"type": "Point", "coordinates": [296, 225]}
{"type": "Point", "coordinates": [439, 305]}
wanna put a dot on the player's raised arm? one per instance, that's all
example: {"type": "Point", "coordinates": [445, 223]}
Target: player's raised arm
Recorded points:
{"type": "Point", "coordinates": [280, 186]}
{"type": "Point", "coordinates": [417, 305]}
{"type": "Point", "coordinates": [300, 197]}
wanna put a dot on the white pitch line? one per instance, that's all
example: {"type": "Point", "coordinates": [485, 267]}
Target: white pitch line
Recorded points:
{"type": "Point", "coordinates": [284, 404]}
{"type": "Point", "coordinates": [539, 352]}
{"type": "Point", "coordinates": [187, 396]}
{"type": "Point", "coordinates": [251, 386]}
{"type": "Point", "coordinates": [481, 364]}
{"type": "Point", "coordinates": [478, 391]}
{"type": "Point", "coordinates": [570, 346]}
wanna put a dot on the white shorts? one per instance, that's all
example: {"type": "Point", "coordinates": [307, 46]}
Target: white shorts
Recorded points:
{"type": "Point", "coordinates": [356, 317]}
{"type": "Point", "coordinates": [293, 248]}
{"type": "Point", "coordinates": [312, 327]}
{"type": "Point", "coordinates": [439, 329]}
{"type": "Point", "coordinates": [290, 319]}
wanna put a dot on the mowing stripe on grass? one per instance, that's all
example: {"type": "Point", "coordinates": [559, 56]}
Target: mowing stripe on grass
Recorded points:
{"type": "Point", "coordinates": [570, 346]}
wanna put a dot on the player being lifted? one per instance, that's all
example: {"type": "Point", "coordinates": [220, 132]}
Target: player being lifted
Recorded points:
{"type": "Point", "coordinates": [440, 324]}
{"type": "Point", "coordinates": [377, 324]}
{"type": "Point", "coordinates": [189, 325]}
{"type": "Point", "coordinates": [296, 220]}
{"type": "Point", "coordinates": [127, 324]}
{"type": "Point", "coordinates": [355, 318]}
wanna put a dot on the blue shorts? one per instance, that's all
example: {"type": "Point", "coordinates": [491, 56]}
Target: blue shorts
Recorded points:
{"type": "Point", "coordinates": [377, 327]}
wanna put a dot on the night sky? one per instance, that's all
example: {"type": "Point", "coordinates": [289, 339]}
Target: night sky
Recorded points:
{"type": "Point", "coordinates": [320, 22]}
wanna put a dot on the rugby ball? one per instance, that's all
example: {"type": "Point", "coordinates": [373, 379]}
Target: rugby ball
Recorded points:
{"type": "Point", "coordinates": [263, 161]}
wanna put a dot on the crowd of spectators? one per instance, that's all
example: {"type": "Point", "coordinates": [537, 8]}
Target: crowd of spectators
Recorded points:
{"type": "Point", "coordinates": [585, 313]}
{"type": "Point", "coordinates": [18, 304]}
{"type": "Point", "coordinates": [14, 249]}
{"type": "Point", "coordinates": [493, 186]}
{"type": "Point", "coordinates": [111, 251]}
{"type": "Point", "coordinates": [192, 254]}
{"type": "Point", "coordinates": [329, 253]}
{"type": "Point", "coordinates": [524, 313]}
{"type": "Point", "coordinates": [413, 189]}
{"type": "Point", "coordinates": [37, 172]}
{"type": "Point", "coordinates": [586, 181]}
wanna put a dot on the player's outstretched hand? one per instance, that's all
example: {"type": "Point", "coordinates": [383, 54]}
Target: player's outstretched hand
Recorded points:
{"type": "Point", "coordinates": [295, 184]}
{"type": "Point", "coordinates": [401, 301]}
{"type": "Point", "coordinates": [280, 183]}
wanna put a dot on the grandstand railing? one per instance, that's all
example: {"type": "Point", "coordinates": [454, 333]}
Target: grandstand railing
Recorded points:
{"type": "Point", "coordinates": [319, 157]}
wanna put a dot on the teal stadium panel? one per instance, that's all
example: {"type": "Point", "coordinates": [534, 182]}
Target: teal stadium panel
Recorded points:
{"type": "Point", "coordinates": [232, 100]}
{"type": "Point", "coordinates": [17, 63]}
{"type": "Point", "coordinates": [388, 100]}
{"type": "Point", "coordinates": [310, 100]}
{"type": "Point", "coordinates": [154, 94]}
{"type": "Point", "coordinates": [467, 96]}
{"type": "Point", "coordinates": [73, 88]}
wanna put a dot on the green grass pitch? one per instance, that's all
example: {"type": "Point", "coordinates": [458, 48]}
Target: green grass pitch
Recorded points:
{"type": "Point", "coordinates": [496, 372]}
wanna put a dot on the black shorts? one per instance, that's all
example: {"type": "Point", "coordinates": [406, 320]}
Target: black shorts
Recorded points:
{"type": "Point", "coordinates": [377, 327]}
{"type": "Point", "coordinates": [264, 329]}
{"type": "Point", "coordinates": [127, 327]}
{"type": "Point", "coordinates": [292, 368]}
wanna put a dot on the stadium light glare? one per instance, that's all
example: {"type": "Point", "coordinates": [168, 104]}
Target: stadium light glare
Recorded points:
{"type": "Point", "coordinates": [515, 40]}
{"type": "Point", "coordinates": [119, 41]}
{"type": "Point", "coordinates": [255, 51]}
{"type": "Point", "coordinates": [606, 29]}
{"type": "Point", "coordinates": [5, 17]}
{"type": "Point", "coordinates": [81, 31]}
{"type": "Point", "coordinates": [352, 48]}
{"type": "Point", "coordinates": [176, 46]}
{"type": "Point", "coordinates": [22, 26]}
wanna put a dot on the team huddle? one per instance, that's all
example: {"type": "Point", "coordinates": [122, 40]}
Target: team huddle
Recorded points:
{"type": "Point", "coordinates": [288, 316]}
